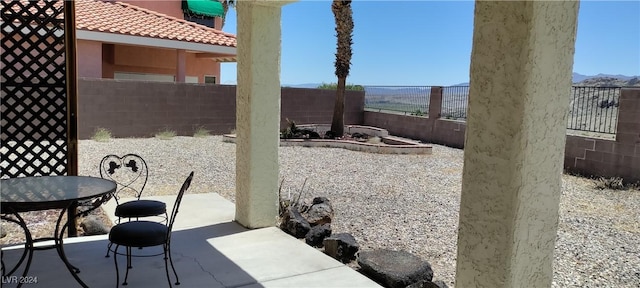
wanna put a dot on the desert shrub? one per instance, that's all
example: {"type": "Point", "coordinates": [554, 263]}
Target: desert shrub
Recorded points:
{"type": "Point", "coordinates": [101, 135]}
{"type": "Point", "coordinates": [613, 183]}
{"type": "Point", "coordinates": [201, 132]}
{"type": "Point", "coordinates": [166, 134]}
{"type": "Point", "coordinates": [291, 199]}
{"type": "Point", "coordinates": [290, 130]}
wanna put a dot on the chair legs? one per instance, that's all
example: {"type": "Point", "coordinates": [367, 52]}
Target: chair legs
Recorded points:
{"type": "Point", "coordinates": [108, 249]}
{"type": "Point", "coordinates": [115, 260]}
{"type": "Point", "coordinates": [167, 250]}
{"type": "Point", "coordinates": [167, 258]}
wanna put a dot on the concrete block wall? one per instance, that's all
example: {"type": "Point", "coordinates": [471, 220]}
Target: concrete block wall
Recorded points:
{"type": "Point", "coordinates": [141, 109]}
{"type": "Point", "coordinates": [432, 129]}
{"type": "Point", "coordinates": [609, 158]}
{"type": "Point", "coordinates": [583, 155]}
{"type": "Point", "coordinates": [315, 106]}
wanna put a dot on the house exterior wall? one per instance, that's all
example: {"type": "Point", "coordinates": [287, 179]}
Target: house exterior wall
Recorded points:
{"type": "Point", "coordinates": [136, 59]}
{"type": "Point", "coordinates": [172, 8]}
{"type": "Point", "coordinates": [99, 60]}
{"type": "Point", "coordinates": [141, 109]}
{"type": "Point", "coordinates": [146, 60]}
{"type": "Point", "coordinates": [89, 58]}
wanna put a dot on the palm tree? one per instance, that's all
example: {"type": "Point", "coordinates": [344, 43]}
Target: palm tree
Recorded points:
{"type": "Point", "coordinates": [344, 30]}
{"type": "Point", "coordinates": [225, 5]}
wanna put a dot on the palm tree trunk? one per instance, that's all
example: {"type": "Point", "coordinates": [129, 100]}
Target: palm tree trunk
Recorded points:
{"type": "Point", "coordinates": [337, 124]}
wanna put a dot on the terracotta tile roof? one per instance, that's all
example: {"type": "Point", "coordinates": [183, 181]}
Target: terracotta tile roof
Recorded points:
{"type": "Point", "coordinates": [127, 19]}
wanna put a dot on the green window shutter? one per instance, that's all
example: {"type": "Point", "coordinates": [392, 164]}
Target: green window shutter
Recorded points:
{"type": "Point", "coordinates": [210, 8]}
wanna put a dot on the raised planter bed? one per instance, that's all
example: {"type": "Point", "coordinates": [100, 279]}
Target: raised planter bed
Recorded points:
{"type": "Point", "coordinates": [388, 144]}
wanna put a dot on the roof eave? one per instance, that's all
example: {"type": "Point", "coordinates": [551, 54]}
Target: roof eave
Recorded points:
{"type": "Point", "coordinates": [153, 42]}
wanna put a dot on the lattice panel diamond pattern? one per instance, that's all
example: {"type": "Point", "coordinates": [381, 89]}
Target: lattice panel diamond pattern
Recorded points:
{"type": "Point", "coordinates": [34, 97]}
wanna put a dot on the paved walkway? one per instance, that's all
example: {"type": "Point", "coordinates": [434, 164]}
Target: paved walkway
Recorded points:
{"type": "Point", "coordinates": [209, 250]}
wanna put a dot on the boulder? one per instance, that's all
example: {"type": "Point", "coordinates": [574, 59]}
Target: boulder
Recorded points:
{"type": "Point", "coordinates": [342, 247]}
{"type": "Point", "coordinates": [317, 234]}
{"type": "Point", "coordinates": [440, 284]}
{"type": "Point", "coordinates": [394, 269]}
{"type": "Point", "coordinates": [320, 212]}
{"type": "Point", "coordinates": [294, 224]}
{"type": "Point", "coordinates": [428, 284]}
{"type": "Point", "coordinates": [91, 225]}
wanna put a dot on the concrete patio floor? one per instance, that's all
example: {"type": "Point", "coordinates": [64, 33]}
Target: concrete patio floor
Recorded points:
{"type": "Point", "coordinates": [209, 250]}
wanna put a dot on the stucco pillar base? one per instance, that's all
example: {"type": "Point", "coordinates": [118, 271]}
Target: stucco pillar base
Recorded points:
{"type": "Point", "coordinates": [258, 113]}
{"type": "Point", "coordinates": [521, 65]}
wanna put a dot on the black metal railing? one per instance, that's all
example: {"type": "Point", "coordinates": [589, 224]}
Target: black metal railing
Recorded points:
{"type": "Point", "coordinates": [409, 100]}
{"type": "Point", "coordinates": [594, 109]}
{"type": "Point", "coordinates": [455, 100]}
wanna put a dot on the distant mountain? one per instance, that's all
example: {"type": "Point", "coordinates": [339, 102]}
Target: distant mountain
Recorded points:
{"type": "Point", "coordinates": [577, 77]}
{"type": "Point", "coordinates": [306, 85]}
{"type": "Point", "coordinates": [609, 82]}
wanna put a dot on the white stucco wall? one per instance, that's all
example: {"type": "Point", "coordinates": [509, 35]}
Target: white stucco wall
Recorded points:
{"type": "Point", "coordinates": [258, 112]}
{"type": "Point", "coordinates": [521, 65]}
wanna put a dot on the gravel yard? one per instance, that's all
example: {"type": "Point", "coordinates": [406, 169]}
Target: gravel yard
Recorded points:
{"type": "Point", "coordinates": [407, 202]}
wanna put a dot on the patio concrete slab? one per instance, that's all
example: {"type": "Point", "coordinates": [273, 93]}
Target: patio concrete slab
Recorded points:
{"type": "Point", "coordinates": [191, 215]}
{"type": "Point", "coordinates": [209, 250]}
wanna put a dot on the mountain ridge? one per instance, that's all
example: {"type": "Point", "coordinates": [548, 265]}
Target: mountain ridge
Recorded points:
{"type": "Point", "coordinates": [577, 78]}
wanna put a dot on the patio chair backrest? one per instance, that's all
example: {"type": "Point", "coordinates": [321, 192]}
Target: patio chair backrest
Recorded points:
{"type": "Point", "coordinates": [130, 172]}
{"type": "Point", "coordinates": [176, 205]}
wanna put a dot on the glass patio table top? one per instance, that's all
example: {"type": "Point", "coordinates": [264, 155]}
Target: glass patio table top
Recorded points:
{"type": "Point", "coordinates": [50, 192]}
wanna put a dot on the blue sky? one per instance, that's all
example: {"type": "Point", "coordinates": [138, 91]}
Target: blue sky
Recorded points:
{"type": "Point", "coordinates": [429, 42]}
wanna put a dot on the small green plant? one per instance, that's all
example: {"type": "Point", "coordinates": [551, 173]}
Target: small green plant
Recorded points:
{"type": "Point", "coordinates": [201, 132]}
{"type": "Point", "coordinates": [374, 140]}
{"type": "Point", "coordinates": [334, 86]}
{"type": "Point", "coordinates": [418, 112]}
{"type": "Point", "coordinates": [613, 183]}
{"type": "Point", "coordinates": [166, 134]}
{"type": "Point", "coordinates": [233, 131]}
{"type": "Point", "coordinates": [101, 135]}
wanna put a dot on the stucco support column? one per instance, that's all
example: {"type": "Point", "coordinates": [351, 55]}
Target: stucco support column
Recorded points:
{"type": "Point", "coordinates": [258, 112]}
{"type": "Point", "coordinates": [181, 65]}
{"type": "Point", "coordinates": [521, 65]}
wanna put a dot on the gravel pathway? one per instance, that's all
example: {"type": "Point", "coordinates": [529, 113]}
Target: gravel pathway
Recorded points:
{"type": "Point", "coordinates": [407, 202]}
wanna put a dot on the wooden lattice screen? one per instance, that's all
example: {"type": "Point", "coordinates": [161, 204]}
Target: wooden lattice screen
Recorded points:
{"type": "Point", "coordinates": [35, 99]}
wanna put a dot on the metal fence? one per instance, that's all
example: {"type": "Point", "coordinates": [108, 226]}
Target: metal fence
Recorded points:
{"type": "Point", "coordinates": [409, 100]}
{"type": "Point", "coordinates": [592, 109]}
{"type": "Point", "coordinates": [455, 100]}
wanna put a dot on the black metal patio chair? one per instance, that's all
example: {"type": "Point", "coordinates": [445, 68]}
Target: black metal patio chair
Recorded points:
{"type": "Point", "coordinates": [131, 172]}
{"type": "Point", "coordinates": [140, 233]}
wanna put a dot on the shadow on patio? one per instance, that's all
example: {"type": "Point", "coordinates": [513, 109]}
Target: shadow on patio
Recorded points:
{"type": "Point", "coordinates": [209, 250]}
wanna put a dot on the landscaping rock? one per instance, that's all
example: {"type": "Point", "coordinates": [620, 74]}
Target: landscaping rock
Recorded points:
{"type": "Point", "coordinates": [294, 224]}
{"type": "Point", "coordinates": [91, 225]}
{"type": "Point", "coordinates": [440, 284]}
{"type": "Point", "coordinates": [320, 212]}
{"type": "Point", "coordinates": [394, 269]}
{"type": "Point", "coordinates": [342, 247]}
{"type": "Point", "coordinates": [428, 284]}
{"type": "Point", "coordinates": [317, 234]}
{"type": "Point", "coordinates": [3, 233]}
